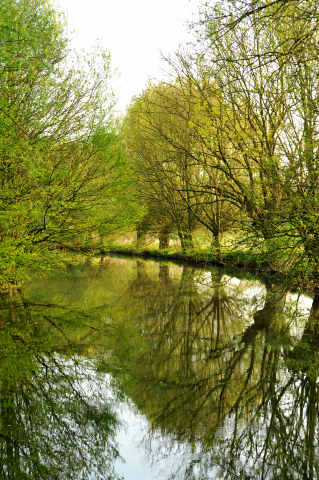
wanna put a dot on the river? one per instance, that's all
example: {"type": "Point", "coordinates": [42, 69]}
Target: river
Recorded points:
{"type": "Point", "coordinates": [136, 369]}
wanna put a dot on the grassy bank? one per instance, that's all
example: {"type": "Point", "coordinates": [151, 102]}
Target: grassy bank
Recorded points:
{"type": "Point", "coordinates": [202, 256]}
{"type": "Point", "coordinates": [240, 263]}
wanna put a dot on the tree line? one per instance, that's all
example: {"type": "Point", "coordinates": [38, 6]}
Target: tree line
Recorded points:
{"type": "Point", "coordinates": [227, 143]}
{"type": "Point", "coordinates": [230, 140]}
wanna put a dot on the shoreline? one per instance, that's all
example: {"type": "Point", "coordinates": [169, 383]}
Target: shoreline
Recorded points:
{"type": "Point", "coordinates": [200, 258]}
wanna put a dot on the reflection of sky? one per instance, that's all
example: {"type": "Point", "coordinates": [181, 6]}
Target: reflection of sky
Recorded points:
{"type": "Point", "coordinates": [97, 388]}
{"type": "Point", "coordinates": [132, 429]}
{"type": "Point", "coordinates": [139, 447]}
{"type": "Point", "coordinates": [145, 454]}
{"type": "Point", "coordinates": [128, 437]}
{"type": "Point", "coordinates": [300, 305]}
{"type": "Point", "coordinates": [250, 296]}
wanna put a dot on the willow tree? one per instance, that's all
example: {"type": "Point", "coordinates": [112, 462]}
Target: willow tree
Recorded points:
{"type": "Point", "coordinates": [60, 166]}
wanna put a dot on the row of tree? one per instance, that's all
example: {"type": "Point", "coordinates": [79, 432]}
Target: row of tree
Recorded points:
{"type": "Point", "coordinates": [230, 140]}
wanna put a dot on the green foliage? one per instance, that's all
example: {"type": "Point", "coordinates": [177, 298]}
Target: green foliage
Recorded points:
{"type": "Point", "coordinates": [64, 181]}
{"type": "Point", "coordinates": [231, 140]}
{"type": "Point", "coordinates": [263, 59]}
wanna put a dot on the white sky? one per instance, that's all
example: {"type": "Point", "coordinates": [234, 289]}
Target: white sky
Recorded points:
{"type": "Point", "coordinates": [134, 31]}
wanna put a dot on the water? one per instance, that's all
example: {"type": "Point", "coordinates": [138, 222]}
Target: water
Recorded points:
{"type": "Point", "coordinates": [139, 370]}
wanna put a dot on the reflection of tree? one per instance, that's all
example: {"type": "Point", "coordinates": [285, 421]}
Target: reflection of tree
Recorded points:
{"type": "Point", "coordinates": [141, 285]}
{"type": "Point", "coordinates": [281, 431]}
{"type": "Point", "coordinates": [232, 400]}
{"type": "Point", "coordinates": [188, 332]}
{"type": "Point", "coordinates": [164, 273]}
{"type": "Point", "coordinates": [303, 363]}
{"type": "Point", "coordinates": [227, 398]}
{"type": "Point", "coordinates": [51, 424]}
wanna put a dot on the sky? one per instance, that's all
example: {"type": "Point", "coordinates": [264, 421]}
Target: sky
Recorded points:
{"type": "Point", "coordinates": [134, 31]}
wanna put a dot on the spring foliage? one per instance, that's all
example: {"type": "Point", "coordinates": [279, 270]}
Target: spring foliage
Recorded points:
{"type": "Point", "coordinates": [62, 169]}
{"type": "Point", "coordinates": [246, 127]}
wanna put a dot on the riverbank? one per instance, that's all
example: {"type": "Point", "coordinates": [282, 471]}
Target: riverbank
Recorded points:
{"type": "Point", "coordinates": [240, 263]}
{"type": "Point", "coordinates": [203, 257]}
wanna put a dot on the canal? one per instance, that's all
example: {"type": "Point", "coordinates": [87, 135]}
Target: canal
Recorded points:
{"type": "Point", "coordinates": [136, 369]}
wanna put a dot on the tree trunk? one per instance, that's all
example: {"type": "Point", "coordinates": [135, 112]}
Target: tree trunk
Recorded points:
{"type": "Point", "coordinates": [216, 247]}
{"type": "Point", "coordinates": [186, 241]}
{"type": "Point", "coordinates": [164, 238]}
{"type": "Point", "coordinates": [140, 237]}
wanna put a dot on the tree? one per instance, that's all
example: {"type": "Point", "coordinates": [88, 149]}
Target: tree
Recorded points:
{"type": "Point", "coordinates": [161, 168]}
{"type": "Point", "coordinates": [265, 126]}
{"type": "Point", "coordinates": [269, 16]}
{"type": "Point", "coordinates": [62, 166]}
{"type": "Point", "coordinates": [166, 131]}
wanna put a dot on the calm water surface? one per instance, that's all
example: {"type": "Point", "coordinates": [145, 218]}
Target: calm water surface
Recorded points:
{"type": "Point", "coordinates": [139, 370]}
